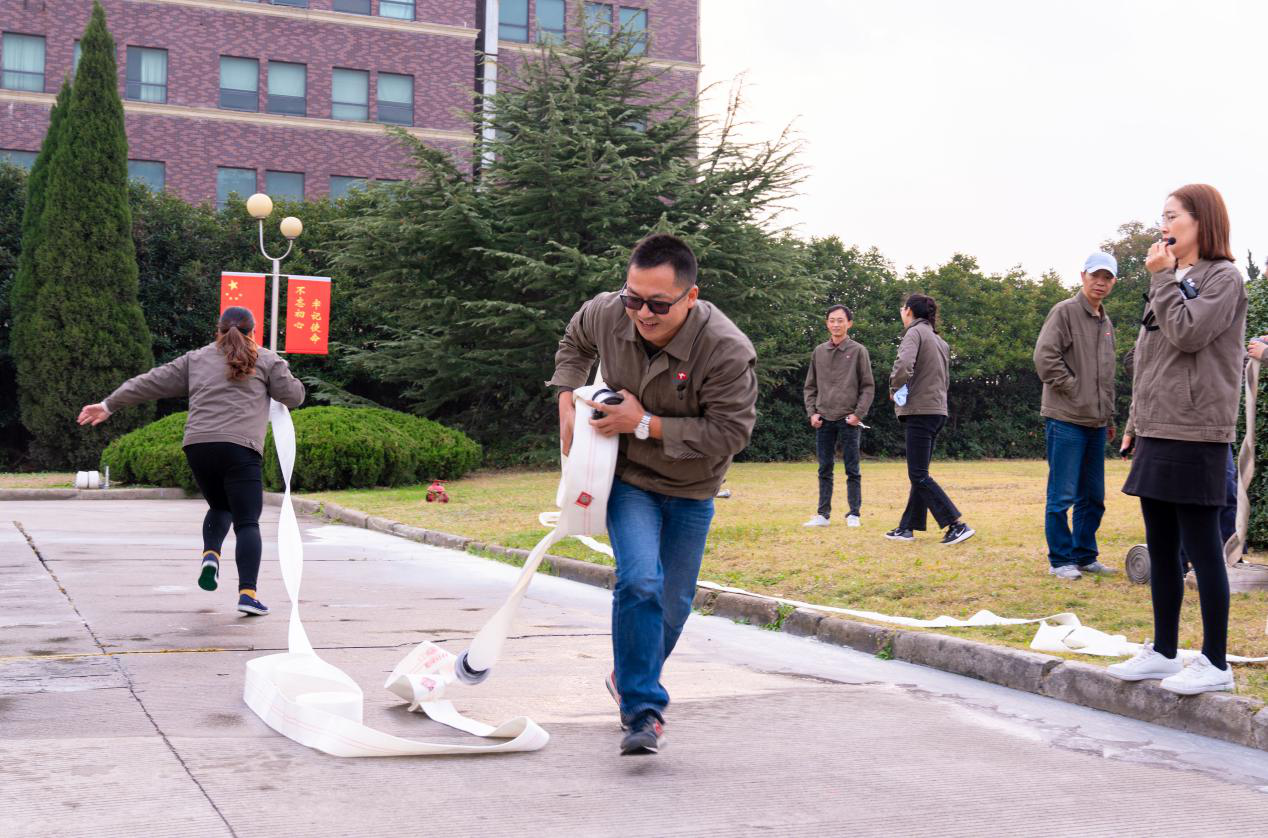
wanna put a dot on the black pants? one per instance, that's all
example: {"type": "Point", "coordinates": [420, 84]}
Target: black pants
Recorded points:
{"type": "Point", "coordinates": [1228, 512]}
{"type": "Point", "coordinates": [230, 478]}
{"type": "Point", "coordinates": [1168, 528]}
{"type": "Point", "coordinates": [826, 436]}
{"type": "Point", "coordinates": [926, 495]}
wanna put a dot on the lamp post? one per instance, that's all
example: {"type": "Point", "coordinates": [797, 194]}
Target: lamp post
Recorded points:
{"type": "Point", "coordinates": [260, 206]}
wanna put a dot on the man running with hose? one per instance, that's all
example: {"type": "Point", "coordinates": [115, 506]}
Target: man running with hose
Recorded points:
{"type": "Point", "coordinates": [686, 374]}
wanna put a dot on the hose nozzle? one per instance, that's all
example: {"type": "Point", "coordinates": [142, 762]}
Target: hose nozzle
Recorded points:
{"type": "Point", "coordinates": [465, 673]}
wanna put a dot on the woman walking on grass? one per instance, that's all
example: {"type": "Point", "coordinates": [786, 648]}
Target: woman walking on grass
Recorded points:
{"type": "Point", "coordinates": [229, 384]}
{"type": "Point", "coordinates": [918, 386]}
{"type": "Point", "coordinates": [1186, 386]}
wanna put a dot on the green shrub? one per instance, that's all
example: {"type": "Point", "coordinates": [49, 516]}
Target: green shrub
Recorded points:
{"type": "Point", "coordinates": [337, 448]}
{"type": "Point", "coordinates": [151, 454]}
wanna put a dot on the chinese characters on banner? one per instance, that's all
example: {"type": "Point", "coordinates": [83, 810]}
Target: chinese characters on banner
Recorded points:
{"type": "Point", "coordinates": [307, 314]}
{"type": "Point", "coordinates": [246, 290]}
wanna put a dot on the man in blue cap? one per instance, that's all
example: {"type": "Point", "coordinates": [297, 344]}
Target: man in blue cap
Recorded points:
{"type": "Point", "coordinates": [1074, 358]}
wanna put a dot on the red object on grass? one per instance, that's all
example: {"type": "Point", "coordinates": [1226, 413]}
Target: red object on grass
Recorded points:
{"type": "Point", "coordinates": [436, 492]}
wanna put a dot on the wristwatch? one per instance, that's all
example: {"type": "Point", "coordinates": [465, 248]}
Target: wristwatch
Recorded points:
{"type": "Point", "coordinates": [644, 429]}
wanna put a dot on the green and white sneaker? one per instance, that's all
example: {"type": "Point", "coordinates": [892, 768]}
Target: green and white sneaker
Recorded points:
{"type": "Point", "coordinates": [209, 576]}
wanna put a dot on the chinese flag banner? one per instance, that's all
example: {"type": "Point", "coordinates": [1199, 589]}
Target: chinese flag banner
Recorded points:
{"type": "Point", "coordinates": [307, 314]}
{"type": "Point", "coordinates": [246, 290]}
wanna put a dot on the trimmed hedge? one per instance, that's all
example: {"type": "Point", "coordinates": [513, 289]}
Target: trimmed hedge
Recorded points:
{"type": "Point", "coordinates": [151, 454]}
{"type": "Point", "coordinates": [338, 448]}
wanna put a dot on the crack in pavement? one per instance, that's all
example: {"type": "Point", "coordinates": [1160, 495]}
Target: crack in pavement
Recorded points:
{"type": "Point", "coordinates": [126, 677]}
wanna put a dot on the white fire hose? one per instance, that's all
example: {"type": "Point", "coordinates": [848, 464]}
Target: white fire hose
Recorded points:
{"type": "Point", "coordinates": [316, 704]}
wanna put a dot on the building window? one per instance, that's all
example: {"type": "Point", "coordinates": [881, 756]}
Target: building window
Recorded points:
{"type": "Point", "coordinates": [513, 20]}
{"type": "Point", "coordinates": [399, 9]}
{"type": "Point", "coordinates": [288, 186]}
{"type": "Point", "coordinates": [239, 83]}
{"type": "Point", "coordinates": [288, 88]}
{"type": "Point", "coordinates": [396, 99]}
{"type": "Point", "coordinates": [18, 157]}
{"type": "Point", "coordinates": [153, 173]}
{"type": "Point", "coordinates": [599, 19]}
{"type": "Point", "coordinates": [302, 4]}
{"type": "Point", "coordinates": [550, 20]}
{"type": "Point", "coordinates": [233, 181]}
{"type": "Point", "coordinates": [340, 186]}
{"type": "Point", "coordinates": [147, 74]}
{"type": "Point", "coordinates": [356, 7]}
{"type": "Point", "coordinates": [350, 94]}
{"type": "Point", "coordinates": [634, 27]}
{"type": "Point", "coordinates": [23, 62]}
{"type": "Point", "coordinates": [74, 65]}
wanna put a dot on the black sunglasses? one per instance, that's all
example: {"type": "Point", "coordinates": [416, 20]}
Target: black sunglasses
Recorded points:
{"type": "Point", "coordinates": [655, 306]}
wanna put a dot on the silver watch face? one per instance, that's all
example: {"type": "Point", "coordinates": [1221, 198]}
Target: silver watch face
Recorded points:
{"type": "Point", "coordinates": [644, 429]}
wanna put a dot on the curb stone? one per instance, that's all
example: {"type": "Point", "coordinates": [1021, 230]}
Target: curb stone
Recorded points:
{"type": "Point", "coordinates": [803, 623]}
{"type": "Point", "coordinates": [862, 637]}
{"type": "Point", "coordinates": [1260, 727]}
{"type": "Point", "coordinates": [1231, 718]}
{"type": "Point", "coordinates": [96, 494]}
{"type": "Point", "coordinates": [589, 573]}
{"type": "Point", "coordinates": [754, 611]}
{"type": "Point", "coordinates": [998, 664]}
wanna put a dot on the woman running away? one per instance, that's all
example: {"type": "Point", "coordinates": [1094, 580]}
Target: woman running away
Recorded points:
{"type": "Point", "coordinates": [229, 384]}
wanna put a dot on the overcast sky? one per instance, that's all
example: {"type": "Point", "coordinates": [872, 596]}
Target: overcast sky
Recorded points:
{"type": "Point", "coordinates": [1019, 133]}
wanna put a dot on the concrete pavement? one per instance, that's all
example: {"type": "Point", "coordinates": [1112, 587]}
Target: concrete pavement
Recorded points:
{"type": "Point", "coordinates": [121, 711]}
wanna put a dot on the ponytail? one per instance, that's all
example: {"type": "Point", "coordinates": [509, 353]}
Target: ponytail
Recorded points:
{"type": "Point", "coordinates": [924, 308]}
{"type": "Point", "coordinates": [233, 338]}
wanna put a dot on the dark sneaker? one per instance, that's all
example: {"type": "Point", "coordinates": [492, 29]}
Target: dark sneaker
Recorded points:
{"type": "Point", "coordinates": [957, 533]}
{"type": "Point", "coordinates": [610, 683]}
{"type": "Point", "coordinates": [646, 735]}
{"type": "Point", "coordinates": [209, 576]}
{"type": "Point", "coordinates": [250, 605]}
{"type": "Point", "coordinates": [900, 534]}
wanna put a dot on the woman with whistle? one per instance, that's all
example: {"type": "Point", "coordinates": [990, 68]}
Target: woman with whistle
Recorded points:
{"type": "Point", "coordinates": [1185, 395]}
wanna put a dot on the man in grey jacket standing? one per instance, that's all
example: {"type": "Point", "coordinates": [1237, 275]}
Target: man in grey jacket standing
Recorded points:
{"type": "Point", "coordinates": [839, 391]}
{"type": "Point", "coordinates": [1075, 360]}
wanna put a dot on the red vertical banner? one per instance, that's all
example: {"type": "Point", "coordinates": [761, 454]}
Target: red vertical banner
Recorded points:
{"type": "Point", "coordinates": [246, 290]}
{"type": "Point", "coordinates": [308, 315]}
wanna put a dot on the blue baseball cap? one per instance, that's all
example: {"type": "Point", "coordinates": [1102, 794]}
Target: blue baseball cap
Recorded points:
{"type": "Point", "coordinates": [1100, 260]}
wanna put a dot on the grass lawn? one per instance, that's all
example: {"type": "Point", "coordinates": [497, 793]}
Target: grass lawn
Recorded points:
{"type": "Point", "coordinates": [38, 480]}
{"type": "Point", "coordinates": [757, 542]}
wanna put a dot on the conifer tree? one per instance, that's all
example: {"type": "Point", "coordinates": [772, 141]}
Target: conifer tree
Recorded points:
{"type": "Point", "coordinates": [87, 332]}
{"type": "Point", "coordinates": [476, 277]}
{"type": "Point", "coordinates": [22, 292]}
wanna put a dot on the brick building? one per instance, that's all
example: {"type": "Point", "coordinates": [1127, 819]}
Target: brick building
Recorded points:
{"type": "Point", "coordinates": [292, 96]}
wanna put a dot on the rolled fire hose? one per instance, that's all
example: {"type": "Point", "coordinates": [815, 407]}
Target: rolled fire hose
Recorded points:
{"type": "Point", "coordinates": [1235, 546]}
{"type": "Point", "coordinates": [317, 704]}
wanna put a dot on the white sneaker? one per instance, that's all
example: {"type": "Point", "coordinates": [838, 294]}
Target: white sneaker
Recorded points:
{"type": "Point", "coordinates": [1097, 567]}
{"type": "Point", "coordinates": [1065, 571]}
{"type": "Point", "coordinates": [817, 521]}
{"type": "Point", "coordinates": [1146, 664]}
{"type": "Point", "coordinates": [1200, 676]}
{"type": "Point", "coordinates": [852, 521]}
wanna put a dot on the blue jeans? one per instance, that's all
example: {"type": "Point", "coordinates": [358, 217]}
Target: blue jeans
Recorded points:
{"type": "Point", "coordinates": [659, 542]}
{"type": "Point", "coordinates": [1076, 476]}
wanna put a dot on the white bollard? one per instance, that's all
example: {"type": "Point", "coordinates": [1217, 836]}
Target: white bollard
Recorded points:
{"type": "Point", "coordinates": [87, 480]}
